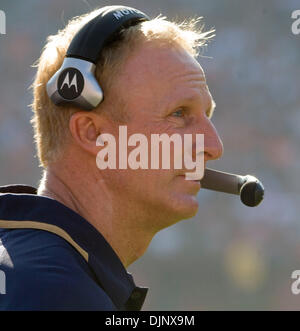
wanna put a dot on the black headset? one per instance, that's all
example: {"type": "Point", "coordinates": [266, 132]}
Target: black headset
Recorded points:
{"type": "Point", "coordinates": [74, 84]}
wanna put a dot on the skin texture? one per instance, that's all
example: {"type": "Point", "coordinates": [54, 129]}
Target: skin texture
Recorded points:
{"type": "Point", "coordinates": [165, 91]}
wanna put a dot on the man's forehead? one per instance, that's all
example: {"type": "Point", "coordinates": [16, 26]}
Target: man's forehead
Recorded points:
{"type": "Point", "coordinates": [153, 64]}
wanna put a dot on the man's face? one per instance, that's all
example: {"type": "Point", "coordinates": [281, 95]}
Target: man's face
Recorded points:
{"type": "Point", "coordinates": [165, 93]}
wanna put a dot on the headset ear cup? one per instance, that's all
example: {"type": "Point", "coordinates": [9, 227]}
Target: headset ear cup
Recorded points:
{"type": "Point", "coordinates": [74, 84]}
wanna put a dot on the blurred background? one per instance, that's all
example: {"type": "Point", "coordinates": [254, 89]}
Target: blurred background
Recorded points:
{"type": "Point", "coordinates": [229, 256]}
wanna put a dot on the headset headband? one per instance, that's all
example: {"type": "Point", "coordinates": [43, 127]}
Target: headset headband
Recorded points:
{"type": "Point", "coordinates": [74, 83]}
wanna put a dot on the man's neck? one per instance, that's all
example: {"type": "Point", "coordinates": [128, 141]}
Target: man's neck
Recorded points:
{"type": "Point", "coordinates": [104, 211]}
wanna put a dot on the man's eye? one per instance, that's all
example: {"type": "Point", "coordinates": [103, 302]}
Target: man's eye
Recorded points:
{"type": "Point", "coordinates": [178, 113]}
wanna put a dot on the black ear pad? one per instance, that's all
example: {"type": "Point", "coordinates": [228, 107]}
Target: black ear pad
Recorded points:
{"type": "Point", "coordinates": [75, 83]}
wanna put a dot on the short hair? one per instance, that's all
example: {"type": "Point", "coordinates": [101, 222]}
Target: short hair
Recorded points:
{"type": "Point", "coordinates": [50, 122]}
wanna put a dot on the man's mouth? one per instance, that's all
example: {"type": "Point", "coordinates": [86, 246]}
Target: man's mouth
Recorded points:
{"type": "Point", "coordinates": [191, 182]}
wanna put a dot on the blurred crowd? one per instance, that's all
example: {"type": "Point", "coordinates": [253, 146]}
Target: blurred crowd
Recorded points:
{"type": "Point", "coordinates": [229, 256]}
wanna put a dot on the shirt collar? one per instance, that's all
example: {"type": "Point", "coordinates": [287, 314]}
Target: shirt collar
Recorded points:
{"type": "Point", "coordinates": [20, 203]}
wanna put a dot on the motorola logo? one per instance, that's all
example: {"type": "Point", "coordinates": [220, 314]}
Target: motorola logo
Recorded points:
{"type": "Point", "coordinates": [70, 83]}
{"type": "Point", "coordinates": [126, 11]}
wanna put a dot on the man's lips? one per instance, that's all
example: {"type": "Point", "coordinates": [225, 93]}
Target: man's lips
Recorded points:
{"type": "Point", "coordinates": [191, 176]}
{"type": "Point", "coordinates": [194, 182]}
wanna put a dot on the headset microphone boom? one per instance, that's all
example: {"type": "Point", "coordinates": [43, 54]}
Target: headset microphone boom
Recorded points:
{"type": "Point", "coordinates": [249, 188]}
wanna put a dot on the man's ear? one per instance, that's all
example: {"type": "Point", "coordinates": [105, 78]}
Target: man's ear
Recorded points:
{"type": "Point", "coordinates": [85, 127]}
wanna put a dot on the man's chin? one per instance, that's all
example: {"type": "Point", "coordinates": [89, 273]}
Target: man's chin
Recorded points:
{"type": "Point", "coordinates": [184, 197]}
{"type": "Point", "coordinates": [183, 207]}
{"type": "Point", "coordinates": [172, 210]}
{"type": "Point", "coordinates": [188, 206]}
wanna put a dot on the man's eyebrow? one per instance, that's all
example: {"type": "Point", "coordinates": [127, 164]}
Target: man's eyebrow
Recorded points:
{"type": "Point", "coordinates": [209, 112]}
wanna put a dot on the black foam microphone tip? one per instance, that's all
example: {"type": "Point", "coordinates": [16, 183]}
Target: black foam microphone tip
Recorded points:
{"type": "Point", "coordinates": [252, 193]}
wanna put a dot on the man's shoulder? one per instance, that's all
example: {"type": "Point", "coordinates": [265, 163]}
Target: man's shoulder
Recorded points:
{"type": "Point", "coordinates": [44, 272]}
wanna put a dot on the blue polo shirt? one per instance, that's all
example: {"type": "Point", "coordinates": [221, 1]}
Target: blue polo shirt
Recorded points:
{"type": "Point", "coordinates": [51, 258]}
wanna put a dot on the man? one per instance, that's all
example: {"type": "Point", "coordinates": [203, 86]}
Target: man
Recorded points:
{"type": "Point", "coordinates": [67, 246]}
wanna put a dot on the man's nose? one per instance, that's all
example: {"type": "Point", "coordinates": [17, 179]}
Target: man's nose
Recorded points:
{"type": "Point", "coordinates": [213, 146]}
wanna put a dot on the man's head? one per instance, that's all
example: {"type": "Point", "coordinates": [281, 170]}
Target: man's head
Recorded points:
{"type": "Point", "coordinates": [153, 85]}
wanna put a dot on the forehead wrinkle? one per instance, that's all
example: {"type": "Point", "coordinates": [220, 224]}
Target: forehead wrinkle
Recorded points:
{"type": "Point", "coordinates": [195, 75]}
{"type": "Point", "coordinates": [186, 74]}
